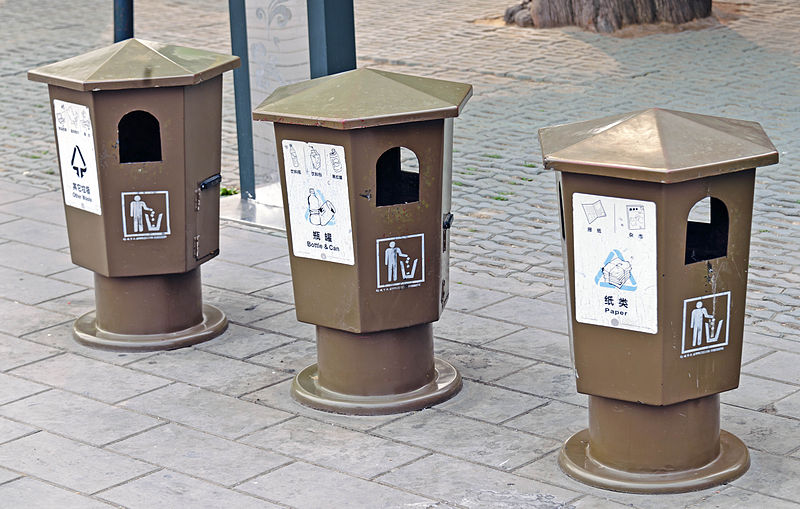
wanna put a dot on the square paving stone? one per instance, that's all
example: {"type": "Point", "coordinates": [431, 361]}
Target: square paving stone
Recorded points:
{"type": "Point", "coordinates": [537, 344]}
{"type": "Point", "coordinates": [752, 351]}
{"type": "Point", "coordinates": [5, 476]}
{"type": "Point", "coordinates": [32, 494]}
{"type": "Point", "coordinates": [546, 380]}
{"type": "Point", "coordinates": [769, 433]}
{"type": "Point", "coordinates": [37, 233]}
{"type": "Point", "coordinates": [206, 411]}
{"type": "Point", "coordinates": [91, 378]}
{"type": "Point", "coordinates": [169, 490]}
{"type": "Point", "coordinates": [471, 329]}
{"type": "Point", "coordinates": [291, 358]}
{"type": "Point", "coordinates": [16, 352]}
{"type": "Point", "coordinates": [554, 419]}
{"type": "Point", "coordinates": [19, 319]}
{"type": "Point", "coordinates": [68, 463]}
{"type": "Point", "coordinates": [77, 417]}
{"type": "Point", "coordinates": [757, 393]}
{"type": "Point", "coordinates": [771, 475]}
{"type": "Point", "coordinates": [736, 498]}
{"type": "Point", "coordinates": [10, 430]}
{"type": "Point", "coordinates": [239, 278]}
{"type": "Point", "coordinates": [478, 363]}
{"type": "Point", "coordinates": [469, 485]}
{"type": "Point", "coordinates": [74, 304]}
{"type": "Point", "coordinates": [37, 260]}
{"type": "Point", "coordinates": [42, 208]}
{"type": "Point", "coordinates": [283, 292]}
{"type": "Point", "coordinates": [31, 289]}
{"type": "Point", "coordinates": [210, 371]}
{"type": "Point", "coordinates": [76, 275]}
{"type": "Point", "coordinates": [242, 342]}
{"type": "Point", "coordinates": [199, 454]}
{"type": "Point", "coordinates": [467, 298]}
{"type": "Point", "coordinates": [286, 323]}
{"type": "Point", "coordinates": [61, 337]}
{"type": "Point", "coordinates": [530, 312]}
{"type": "Point", "coordinates": [280, 265]}
{"type": "Point", "coordinates": [334, 447]}
{"type": "Point", "coordinates": [250, 247]}
{"type": "Point", "coordinates": [490, 404]}
{"type": "Point", "coordinates": [277, 396]}
{"type": "Point", "coordinates": [13, 388]}
{"type": "Point", "coordinates": [780, 366]}
{"type": "Point", "coordinates": [310, 487]}
{"type": "Point", "coordinates": [488, 444]}
{"type": "Point", "coordinates": [243, 309]}
{"type": "Point", "coordinates": [789, 406]}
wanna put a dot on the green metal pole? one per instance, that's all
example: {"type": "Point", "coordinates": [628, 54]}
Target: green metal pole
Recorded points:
{"type": "Point", "coordinates": [123, 20]}
{"type": "Point", "coordinates": [241, 88]}
{"type": "Point", "coordinates": [331, 36]}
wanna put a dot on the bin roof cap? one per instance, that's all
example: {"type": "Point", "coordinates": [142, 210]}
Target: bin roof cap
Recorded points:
{"type": "Point", "coordinates": [135, 63]}
{"type": "Point", "coordinates": [657, 145]}
{"type": "Point", "coordinates": [363, 98]}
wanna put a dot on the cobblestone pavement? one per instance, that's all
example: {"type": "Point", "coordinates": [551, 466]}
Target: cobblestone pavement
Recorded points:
{"type": "Point", "coordinates": [213, 425]}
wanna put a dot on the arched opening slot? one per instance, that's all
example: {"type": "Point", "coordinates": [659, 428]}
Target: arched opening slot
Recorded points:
{"type": "Point", "coordinates": [139, 138]}
{"type": "Point", "coordinates": [707, 230]}
{"type": "Point", "coordinates": [397, 177]}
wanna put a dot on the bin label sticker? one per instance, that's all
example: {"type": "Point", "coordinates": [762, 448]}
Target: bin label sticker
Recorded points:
{"type": "Point", "coordinates": [145, 215]}
{"type": "Point", "coordinates": [319, 201]}
{"type": "Point", "coordinates": [706, 322]}
{"type": "Point", "coordinates": [76, 156]}
{"type": "Point", "coordinates": [400, 262]}
{"type": "Point", "coordinates": [616, 276]}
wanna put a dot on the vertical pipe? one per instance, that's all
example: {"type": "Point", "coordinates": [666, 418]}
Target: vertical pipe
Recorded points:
{"type": "Point", "coordinates": [241, 86]}
{"type": "Point", "coordinates": [123, 20]}
{"type": "Point", "coordinates": [331, 36]}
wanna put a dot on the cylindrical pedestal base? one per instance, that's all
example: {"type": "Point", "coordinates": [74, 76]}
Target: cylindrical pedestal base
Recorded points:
{"type": "Point", "coordinates": [145, 313]}
{"type": "Point", "coordinates": [637, 448]}
{"type": "Point", "coordinates": [375, 373]}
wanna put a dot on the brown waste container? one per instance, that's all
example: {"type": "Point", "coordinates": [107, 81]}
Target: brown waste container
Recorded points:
{"type": "Point", "coordinates": [656, 207]}
{"type": "Point", "coordinates": [365, 162]}
{"type": "Point", "coordinates": [138, 130]}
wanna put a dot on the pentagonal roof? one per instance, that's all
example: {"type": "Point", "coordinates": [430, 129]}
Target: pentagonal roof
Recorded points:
{"type": "Point", "coordinates": [135, 63]}
{"type": "Point", "coordinates": [657, 145]}
{"type": "Point", "coordinates": [363, 98]}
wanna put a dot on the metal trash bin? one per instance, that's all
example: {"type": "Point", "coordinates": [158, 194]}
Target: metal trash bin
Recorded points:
{"type": "Point", "coordinates": [138, 130]}
{"type": "Point", "coordinates": [365, 160]}
{"type": "Point", "coordinates": [656, 296]}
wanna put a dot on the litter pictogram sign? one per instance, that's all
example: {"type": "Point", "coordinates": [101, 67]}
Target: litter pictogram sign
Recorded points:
{"type": "Point", "coordinates": [706, 322]}
{"type": "Point", "coordinates": [400, 262]}
{"type": "Point", "coordinates": [145, 215]}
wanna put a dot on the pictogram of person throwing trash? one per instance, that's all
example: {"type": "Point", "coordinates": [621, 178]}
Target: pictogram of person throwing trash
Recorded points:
{"type": "Point", "coordinates": [696, 323]}
{"type": "Point", "coordinates": [138, 206]}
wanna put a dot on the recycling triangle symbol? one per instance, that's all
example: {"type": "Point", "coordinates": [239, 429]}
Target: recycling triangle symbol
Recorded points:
{"type": "Point", "coordinates": [616, 273]}
{"type": "Point", "coordinates": [80, 168]}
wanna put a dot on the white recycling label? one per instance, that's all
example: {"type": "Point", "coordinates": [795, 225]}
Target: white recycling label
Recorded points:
{"type": "Point", "coordinates": [616, 276]}
{"type": "Point", "coordinates": [319, 201]}
{"type": "Point", "coordinates": [77, 159]}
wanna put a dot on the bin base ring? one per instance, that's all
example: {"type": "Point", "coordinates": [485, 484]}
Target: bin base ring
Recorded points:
{"type": "Point", "coordinates": [307, 391]}
{"type": "Point", "coordinates": [576, 461]}
{"type": "Point", "coordinates": [86, 332]}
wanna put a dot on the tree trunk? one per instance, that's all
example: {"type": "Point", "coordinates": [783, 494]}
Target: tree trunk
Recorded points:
{"type": "Point", "coordinates": [610, 15]}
